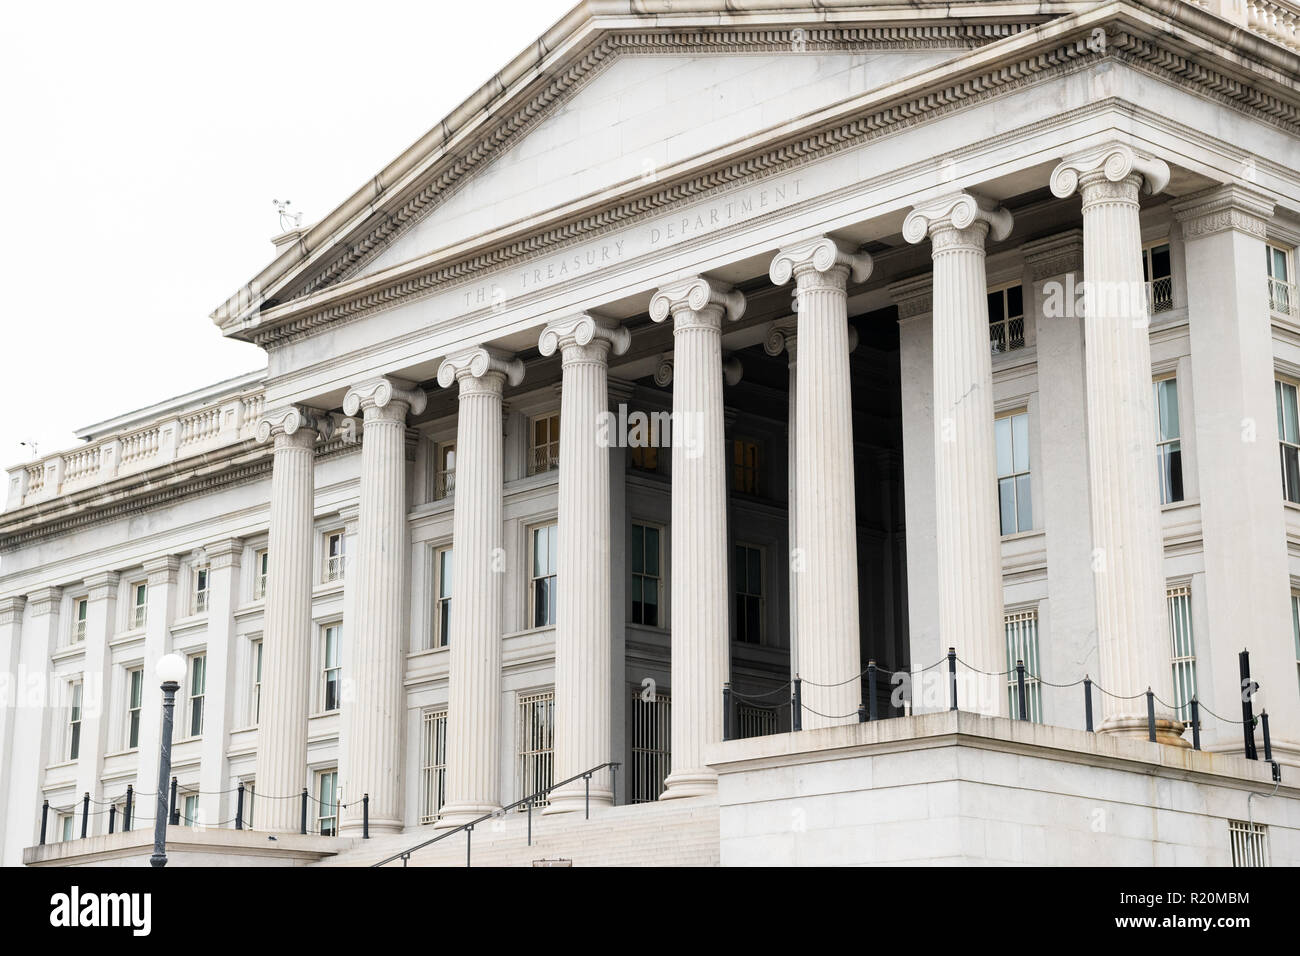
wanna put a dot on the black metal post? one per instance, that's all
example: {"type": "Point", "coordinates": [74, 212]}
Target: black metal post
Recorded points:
{"type": "Point", "coordinates": [952, 678]}
{"type": "Point", "coordinates": [303, 825]}
{"type": "Point", "coordinates": [586, 797]}
{"type": "Point", "coordinates": [239, 806]}
{"type": "Point", "coordinates": [726, 711]}
{"type": "Point", "coordinates": [112, 816]}
{"type": "Point", "coordinates": [1151, 715]}
{"type": "Point", "coordinates": [126, 810]}
{"type": "Point", "coordinates": [1020, 689]}
{"type": "Point", "coordinates": [1268, 742]}
{"type": "Point", "coordinates": [45, 814]}
{"type": "Point", "coordinates": [85, 814]}
{"type": "Point", "coordinates": [796, 710]}
{"type": "Point", "coordinates": [1248, 688]}
{"type": "Point", "coordinates": [862, 713]}
{"type": "Point", "coordinates": [1196, 724]}
{"type": "Point", "coordinates": [173, 814]}
{"type": "Point", "coordinates": [161, 815]}
{"type": "Point", "coordinates": [529, 804]}
{"type": "Point", "coordinates": [1087, 702]}
{"type": "Point", "coordinates": [365, 816]}
{"type": "Point", "coordinates": [469, 839]}
{"type": "Point", "coordinates": [871, 691]}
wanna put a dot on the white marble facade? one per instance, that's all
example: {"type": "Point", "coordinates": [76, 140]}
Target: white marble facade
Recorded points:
{"type": "Point", "coordinates": [419, 562]}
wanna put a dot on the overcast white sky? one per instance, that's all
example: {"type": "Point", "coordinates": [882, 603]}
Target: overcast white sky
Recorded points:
{"type": "Point", "coordinates": [143, 146]}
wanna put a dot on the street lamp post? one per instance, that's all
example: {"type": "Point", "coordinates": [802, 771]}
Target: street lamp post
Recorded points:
{"type": "Point", "coordinates": [171, 670]}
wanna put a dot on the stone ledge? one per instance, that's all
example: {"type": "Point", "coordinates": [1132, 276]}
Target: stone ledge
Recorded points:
{"type": "Point", "coordinates": [189, 847]}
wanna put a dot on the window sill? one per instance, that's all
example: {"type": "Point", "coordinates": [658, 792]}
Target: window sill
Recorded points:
{"type": "Point", "coordinates": [61, 765]}
{"type": "Point", "coordinates": [528, 631]}
{"type": "Point", "coordinates": [323, 713]}
{"type": "Point", "coordinates": [1022, 535]}
{"type": "Point", "coordinates": [428, 651]}
{"type": "Point", "coordinates": [68, 653]}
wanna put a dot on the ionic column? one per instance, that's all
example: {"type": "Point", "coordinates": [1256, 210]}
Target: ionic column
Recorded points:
{"type": "Point", "coordinates": [374, 716]}
{"type": "Point", "coordinates": [583, 706]}
{"type": "Point", "coordinates": [825, 557]}
{"type": "Point", "coordinates": [1128, 550]}
{"type": "Point", "coordinates": [701, 640]}
{"type": "Point", "coordinates": [967, 531]}
{"type": "Point", "coordinates": [474, 685]}
{"type": "Point", "coordinates": [287, 635]}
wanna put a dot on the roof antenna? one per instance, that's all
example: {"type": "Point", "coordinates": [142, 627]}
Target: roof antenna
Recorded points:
{"type": "Point", "coordinates": [31, 443]}
{"type": "Point", "coordinates": [288, 220]}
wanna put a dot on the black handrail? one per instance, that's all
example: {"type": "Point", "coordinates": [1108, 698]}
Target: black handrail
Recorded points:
{"type": "Point", "coordinates": [530, 799]}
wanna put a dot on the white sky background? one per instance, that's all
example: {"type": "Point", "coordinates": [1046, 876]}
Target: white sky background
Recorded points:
{"type": "Point", "coordinates": [143, 144]}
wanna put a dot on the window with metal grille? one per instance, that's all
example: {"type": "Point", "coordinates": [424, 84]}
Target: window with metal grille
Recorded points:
{"type": "Point", "coordinates": [140, 606]}
{"type": "Point", "coordinates": [1015, 504]}
{"type": "Point", "coordinates": [200, 590]}
{"type": "Point", "coordinates": [542, 588]}
{"type": "Point", "coordinates": [1281, 288]}
{"type": "Point", "coordinates": [745, 466]}
{"type": "Point", "coordinates": [1157, 273]}
{"type": "Point", "coordinates": [1169, 447]}
{"type": "Point", "coordinates": [334, 557]}
{"type": "Point", "coordinates": [79, 626]}
{"type": "Point", "coordinates": [331, 667]}
{"type": "Point", "coordinates": [261, 564]}
{"type": "Point", "coordinates": [1007, 318]}
{"type": "Point", "coordinates": [755, 721]}
{"type": "Point", "coordinates": [444, 471]}
{"type": "Point", "coordinates": [1288, 434]}
{"type": "Point", "coordinates": [1182, 649]}
{"type": "Point", "coordinates": [135, 697]}
{"type": "Point", "coordinates": [652, 716]}
{"type": "Point", "coordinates": [1249, 843]}
{"type": "Point", "coordinates": [1021, 630]}
{"type": "Point", "coordinates": [442, 599]}
{"type": "Point", "coordinates": [748, 584]}
{"type": "Point", "coordinates": [536, 728]}
{"type": "Point", "coordinates": [327, 813]}
{"type": "Point", "coordinates": [433, 773]}
{"type": "Point", "coordinates": [544, 449]}
{"type": "Point", "coordinates": [647, 583]}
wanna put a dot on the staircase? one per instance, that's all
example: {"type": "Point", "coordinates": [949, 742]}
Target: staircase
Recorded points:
{"type": "Point", "coordinates": [669, 833]}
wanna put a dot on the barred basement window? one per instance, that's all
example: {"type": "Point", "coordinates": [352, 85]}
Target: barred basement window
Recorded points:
{"type": "Point", "coordinates": [1021, 629]}
{"type": "Point", "coordinates": [535, 748]}
{"type": "Point", "coordinates": [651, 744]}
{"type": "Point", "coordinates": [1288, 434]}
{"type": "Point", "coordinates": [1169, 453]}
{"type": "Point", "coordinates": [755, 721]}
{"type": "Point", "coordinates": [1249, 843]}
{"type": "Point", "coordinates": [544, 449]}
{"type": "Point", "coordinates": [1007, 318]}
{"type": "Point", "coordinates": [1182, 649]}
{"type": "Point", "coordinates": [1157, 273]}
{"type": "Point", "coordinates": [433, 774]}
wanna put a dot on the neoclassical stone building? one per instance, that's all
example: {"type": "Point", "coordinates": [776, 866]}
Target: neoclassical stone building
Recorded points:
{"type": "Point", "coordinates": [715, 344]}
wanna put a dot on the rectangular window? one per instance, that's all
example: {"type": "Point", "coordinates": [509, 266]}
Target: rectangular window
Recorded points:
{"type": "Point", "coordinates": [647, 581]}
{"type": "Point", "coordinates": [80, 606]}
{"type": "Point", "coordinates": [327, 795]}
{"type": "Point", "coordinates": [442, 603]}
{"type": "Point", "coordinates": [140, 605]}
{"type": "Point", "coordinates": [334, 558]}
{"type": "Point", "coordinates": [260, 566]}
{"type": "Point", "coordinates": [1014, 500]}
{"type": "Point", "coordinates": [1249, 843]}
{"type": "Point", "coordinates": [1289, 439]}
{"type": "Point", "coordinates": [748, 585]}
{"type": "Point", "coordinates": [257, 683]}
{"type": "Point", "coordinates": [249, 794]}
{"type": "Point", "coordinates": [198, 681]}
{"type": "Point", "coordinates": [135, 697]}
{"type": "Point", "coordinates": [1021, 630]}
{"type": "Point", "coordinates": [74, 721]}
{"type": "Point", "coordinates": [755, 721]}
{"type": "Point", "coordinates": [200, 590]}
{"type": "Point", "coordinates": [1169, 446]}
{"type": "Point", "coordinates": [651, 739]}
{"type": "Point", "coordinates": [1281, 287]}
{"type": "Point", "coordinates": [1157, 273]}
{"type": "Point", "coordinates": [543, 587]}
{"type": "Point", "coordinates": [433, 775]}
{"type": "Point", "coordinates": [745, 466]}
{"type": "Point", "coordinates": [331, 667]}
{"type": "Point", "coordinates": [190, 810]}
{"type": "Point", "coordinates": [536, 741]}
{"type": "Point", "coordinates": [444, 471]}
{"type": "Point", "coordinates": [65, 827]}
{"type": "Point", "coordinates": [544, 446]}
{"type": "Point", "coordinates": [1182, 649]}
{"type": "Point", "coordinates": [1295, 629]}
{"type": "Point", "coordinates": [1007, 318]}
{"type": "Point", "coordinates": [644, 457]}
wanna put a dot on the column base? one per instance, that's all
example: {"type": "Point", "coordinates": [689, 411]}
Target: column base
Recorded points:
{"type": "Point", "coordinates": [354, 828]}
{"type": "Point", "coordinates": [455, 815]}
{"type": "Point", "coordinates": [1168, 732]}
{"type": "Point", "coordinates": [690, 783]}
{"type": "Point", "coordinates": [570, 800]}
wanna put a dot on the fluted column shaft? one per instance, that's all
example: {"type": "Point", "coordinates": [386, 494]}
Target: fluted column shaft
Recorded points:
{"type": "Point", "coordinates": [474, 693]}
{"type": "Point", "coordinates": [700, 635]}
{"type": "Point", "coordinates": [287, 637]}
{"type": "Point", "coordinates": [373, 715]}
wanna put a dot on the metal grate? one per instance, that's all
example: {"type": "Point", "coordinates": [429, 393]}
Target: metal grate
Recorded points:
{"type": "Point", "coordinates": [433, 775]}
{"type": "Point", "coordinates": [1021, 630]}
{"type": "Point", "coordinates": [651, 740]}
{"type": "Point", "coordinates": [1160, 295]}
{"type": "Point", "coordinates": [1182, 649]}
{"type": "Point", "coordinates": [1249, 843]}
{"type": "Point", "coordinates": [536, 737]}
{"type": "Point", "coordinates": [755, 721]}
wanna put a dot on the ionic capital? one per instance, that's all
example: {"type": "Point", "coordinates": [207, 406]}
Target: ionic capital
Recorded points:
{"type": "Point", "coordinates": [294, 425]}
{"type": "Point", "coordinates": [822, 255]}
{"type": "Point", "coordinates": [733, 370]}
{"type": "Point", "coordinates": [1112, 163]}
{"type": "Point", "coordinates": [395, 395]}
{"type": "Point", "coordinates": [697, 301]}
{"type": "Point", "coordinates": [956, 211]}
{"type": "Point", "coordinates": [480, 366]}
{"type": "Point", "coordinates": [590, 335]}
{"type": "Point", "coordinates": [781, 336]}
